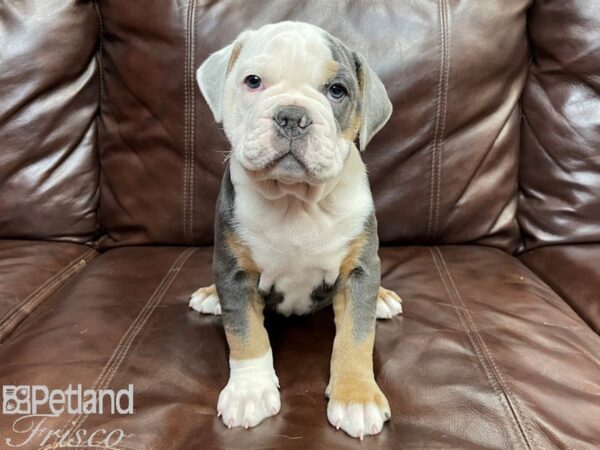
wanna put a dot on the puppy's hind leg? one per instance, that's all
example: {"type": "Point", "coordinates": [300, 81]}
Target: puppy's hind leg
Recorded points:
{"type": "Point", "coordinates": [389, 304]}
{"type": "Point", "coordinates": [206, 301]}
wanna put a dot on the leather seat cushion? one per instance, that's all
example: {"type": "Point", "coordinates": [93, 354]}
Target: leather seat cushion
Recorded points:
{"type": "Point", "coordinates": [485, 356]}
{"type": "Point", "coordinates": [30, 271]}
{"type": "Point", "coordinates": [573, 271]}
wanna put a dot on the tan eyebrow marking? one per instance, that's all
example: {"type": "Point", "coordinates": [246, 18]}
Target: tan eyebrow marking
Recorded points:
{"type": "Point", "coordinates": [331, 68]}
{"type": "Point", "coordinates": [235, 53]}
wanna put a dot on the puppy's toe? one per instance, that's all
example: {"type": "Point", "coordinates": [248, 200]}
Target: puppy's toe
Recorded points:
{"type": "Point", "coordinates": [389, 304]}
{"type": "Point", "coordinates": [205, 300]}
{"type": "Point", "coordinates": [246, 403]}
{"type": "Point", "coordinates": [357, 406]}
{"type": "Point", "coordinates": [357, 419]}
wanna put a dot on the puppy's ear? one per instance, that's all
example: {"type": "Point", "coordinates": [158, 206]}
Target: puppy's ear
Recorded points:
{"type": "Point", "coordinates": [211, 76]}
{"type": "Point", "coordinates": [376, 106]}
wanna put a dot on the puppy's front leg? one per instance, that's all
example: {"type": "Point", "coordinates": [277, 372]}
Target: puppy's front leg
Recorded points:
{"type": "Point", "coordinates": [356, 404]}
{"type": "Point", "coordinates": [252, 394]}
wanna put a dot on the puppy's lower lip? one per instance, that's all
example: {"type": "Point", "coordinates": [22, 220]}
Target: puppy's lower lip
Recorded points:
{"type": "Point", "coordinates": [288, 169]}
{"type": "Point", "coordinates": [284, 158]}
{"type": "Point", "coordinates": [287, 162]}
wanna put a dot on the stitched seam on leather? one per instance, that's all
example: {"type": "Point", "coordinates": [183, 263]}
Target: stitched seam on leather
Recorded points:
{"type": "Point", "coordinates": [435, 170]}
{"type": "Point", "coordinates": [99, 113]}
{"type": "Point", "coordinates": [185, 128]}
{"type": "Point", "coordinates": [34, 299]}
{"type": "Point", "coordinates": [513, 401]}
{"type": "Point", "coordinates": [484, 356]}
{"type": "Point", "coordinates": [440, 144]}
{"type": "Point", "coordinates": [189, 135]}
{"type": "Point", "coordinates": [432, 170]}
{"type": "Point", "coordinates": [126, 341]}
{"type": "Point", "coordinates": [192, 119]}
{"type": "Point", "coordinates": [100, 50]}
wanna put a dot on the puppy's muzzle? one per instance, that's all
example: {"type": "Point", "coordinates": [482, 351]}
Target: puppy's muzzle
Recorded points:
{"type": "Point", "coordinates": [292, 122]}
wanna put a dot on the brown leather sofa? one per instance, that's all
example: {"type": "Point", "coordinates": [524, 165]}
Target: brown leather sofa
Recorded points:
{"type": "Point", "coordinates": [487, 186]}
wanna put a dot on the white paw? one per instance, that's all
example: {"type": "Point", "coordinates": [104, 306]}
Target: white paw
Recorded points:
{"type": "Point", "coordinates": [389, 304]}
{"type": "Point", "coordinates": [205, 300]}
{"type": "Point", "coordinates": [252, 393]}
{"type": "Point", "coordinates": [357, 419]}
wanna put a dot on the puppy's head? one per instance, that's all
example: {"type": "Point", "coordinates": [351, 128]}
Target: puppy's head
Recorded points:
{"type": "Point", "coordinates": [293, 100]}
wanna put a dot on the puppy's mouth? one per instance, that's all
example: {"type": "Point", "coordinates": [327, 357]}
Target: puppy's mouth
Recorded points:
{"type": "Point", "coordinates": [288, 168]}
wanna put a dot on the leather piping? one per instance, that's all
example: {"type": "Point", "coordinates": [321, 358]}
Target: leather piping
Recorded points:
{"type": "Point", "coordinates": [16, 315]}
{"type": "Point", "coordinates": [99, 59]}
{"type": "Point", "coordinates": [440, 122]}
{"type": "Point", "coordinates": [521, 430]}
{"type": "Point", "coordinates": [189, 126]}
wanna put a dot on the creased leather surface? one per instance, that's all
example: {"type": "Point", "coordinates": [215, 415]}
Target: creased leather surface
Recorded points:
{"type": "Point", "coordinates": [48, 102]}
{"type": "Point", "coordinates": [485, 356]}
{"type": "Point", "coordinates": [30, 272]}
{"type": "Point", "coordinates": [573, 271]}
{"type": "Point", "coordinates": [559, 176]}
{"type": "Point", "coordinates": [444, 169]}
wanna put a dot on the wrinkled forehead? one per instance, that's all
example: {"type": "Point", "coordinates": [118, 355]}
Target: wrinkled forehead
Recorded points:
{"type": "Point", "coordinates": [295, 52]}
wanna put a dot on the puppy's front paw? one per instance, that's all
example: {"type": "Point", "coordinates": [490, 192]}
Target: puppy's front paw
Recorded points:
{"type": "Point", "coordinates": [389, 304]}
{"type": "Point", "coordinates": [358, 407]}
{"type": "Point", "coordinates": [205, 300]}
{"type": "Point", "coordinates": [247, 401]}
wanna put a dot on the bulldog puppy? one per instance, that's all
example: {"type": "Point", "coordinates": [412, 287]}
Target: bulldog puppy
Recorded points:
{"type": "Point", "coordinates": [295, 226]}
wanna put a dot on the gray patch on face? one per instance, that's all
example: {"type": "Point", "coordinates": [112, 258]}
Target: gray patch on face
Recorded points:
{"type": "Point", "coordinates": [235, 287]}
{"type": "Point", "coordinates": [346, 75]}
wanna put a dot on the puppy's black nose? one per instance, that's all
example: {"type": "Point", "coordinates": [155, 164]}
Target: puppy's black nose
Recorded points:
{"type": "Point", "coordinates": [292, 121]}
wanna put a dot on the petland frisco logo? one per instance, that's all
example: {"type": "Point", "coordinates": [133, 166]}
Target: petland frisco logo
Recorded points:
{"type": "Point", "coordinates": [34, 406]}
{"type": "Point", "coordinates": [38, 399]}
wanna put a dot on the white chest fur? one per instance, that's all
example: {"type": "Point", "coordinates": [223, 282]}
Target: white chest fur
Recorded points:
{"type": "Point", "coordinates": [298, 245]}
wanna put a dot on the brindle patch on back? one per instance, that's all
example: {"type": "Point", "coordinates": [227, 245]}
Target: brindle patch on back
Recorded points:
{"type": "Point", "coordinates": [347, 113]}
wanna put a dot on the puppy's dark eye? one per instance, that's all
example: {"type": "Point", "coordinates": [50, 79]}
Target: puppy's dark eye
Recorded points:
{"type": "Point", "coordinates": [337, 91]}
{"type": "Point", "coordinates": [253, 81]}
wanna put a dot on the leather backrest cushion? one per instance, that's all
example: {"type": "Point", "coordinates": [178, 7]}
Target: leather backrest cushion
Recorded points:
{"type": "Point", "coordinates": [560, 161]}
{"type": "Point", "coordinates": [443, 170]}
{"type": "Point", "coordinates": [49, 93]}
